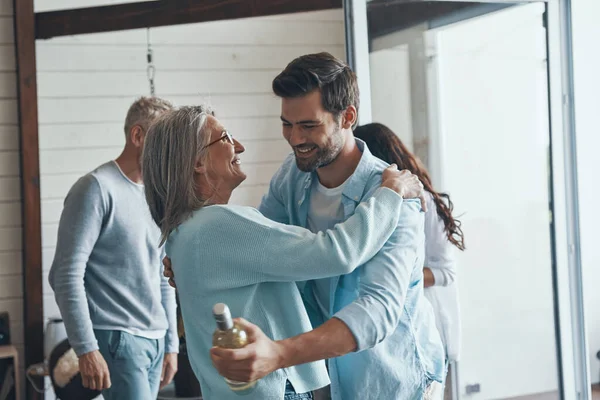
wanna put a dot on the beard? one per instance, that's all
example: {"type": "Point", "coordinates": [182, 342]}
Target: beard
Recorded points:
{"type": "Point", "coordinates": [323, 156]}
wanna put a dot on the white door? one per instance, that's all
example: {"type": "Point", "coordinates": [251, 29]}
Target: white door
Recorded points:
{"type": "Point", "coordinates": [489, 149]}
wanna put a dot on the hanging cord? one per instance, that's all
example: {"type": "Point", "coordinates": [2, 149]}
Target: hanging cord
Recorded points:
{"type": "Point", "coordinates": [150, 70]}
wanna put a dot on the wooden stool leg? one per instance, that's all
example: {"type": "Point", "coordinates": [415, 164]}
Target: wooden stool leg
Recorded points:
{"type": "Point", "coordinates": [17, 377]}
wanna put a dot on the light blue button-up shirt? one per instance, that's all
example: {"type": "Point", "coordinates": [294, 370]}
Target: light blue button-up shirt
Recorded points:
{"type": "Point", "coordinates": [399, 349]}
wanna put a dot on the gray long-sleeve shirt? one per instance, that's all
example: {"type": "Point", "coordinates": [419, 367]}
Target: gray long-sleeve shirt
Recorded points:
{"type": "Point", "coordinates": [107, 269]}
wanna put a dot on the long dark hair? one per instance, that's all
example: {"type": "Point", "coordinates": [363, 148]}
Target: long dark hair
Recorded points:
{"type": "Point", "coordinates": [386, 145]}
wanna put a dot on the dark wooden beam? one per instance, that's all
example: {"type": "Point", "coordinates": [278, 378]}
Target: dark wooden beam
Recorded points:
{"type": "Point", "coordinates": [385, 17]}
{"type": "Point", "coordinates": [164, 12]}
{"type": "Point", "coordinates": [33, 315]}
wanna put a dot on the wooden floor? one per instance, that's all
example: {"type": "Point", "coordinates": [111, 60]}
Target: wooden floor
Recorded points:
{"type": "Point", "coordinates": [555, 396]}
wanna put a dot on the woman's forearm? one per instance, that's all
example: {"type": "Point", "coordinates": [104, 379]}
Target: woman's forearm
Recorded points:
{"type": "Point", "coordinates": [428, 278]}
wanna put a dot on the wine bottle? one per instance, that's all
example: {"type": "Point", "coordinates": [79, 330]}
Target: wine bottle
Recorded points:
{"type": "Point", "coordinates": [230, 335]}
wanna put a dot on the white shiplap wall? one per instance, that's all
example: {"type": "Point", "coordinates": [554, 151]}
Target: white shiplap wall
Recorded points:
{"type": "Point", "coordinates": [86, 83]}
{"type": "Point", "coordinates": [11, 283]}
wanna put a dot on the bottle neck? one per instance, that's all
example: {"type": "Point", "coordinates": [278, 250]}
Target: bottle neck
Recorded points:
{"type": "Point", "coordinates": [222, 317]}
{"type": "Point", "coordinates": [224, 324]}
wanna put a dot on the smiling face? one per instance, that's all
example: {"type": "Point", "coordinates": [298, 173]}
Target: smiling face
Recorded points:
{"type": "Point", "coordinates": [222, 166]}
{"type": "Point", "coordinates": [315, 134]}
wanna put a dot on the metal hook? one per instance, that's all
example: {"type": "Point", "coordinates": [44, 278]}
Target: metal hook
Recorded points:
{"type": "Point", "coordinates": [150, 70]}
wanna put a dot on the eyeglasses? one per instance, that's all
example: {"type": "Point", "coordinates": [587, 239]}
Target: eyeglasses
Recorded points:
{"type": "Point", "coordinates": [225, 136]}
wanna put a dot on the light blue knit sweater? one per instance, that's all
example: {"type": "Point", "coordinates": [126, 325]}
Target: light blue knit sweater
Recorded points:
{"type": "Point", "coordinates": [235, 255]}
{"type": "Point", "coordinates": [107, 269]}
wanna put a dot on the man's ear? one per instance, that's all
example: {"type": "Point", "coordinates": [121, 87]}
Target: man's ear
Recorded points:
{"type": "Point", "coordinates": [137, 136]}
{"type": "Point", "coordinates": [349, 117]}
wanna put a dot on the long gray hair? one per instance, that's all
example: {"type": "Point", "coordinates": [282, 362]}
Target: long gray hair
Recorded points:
{"type": "Point", "coordinates": [172, 146]}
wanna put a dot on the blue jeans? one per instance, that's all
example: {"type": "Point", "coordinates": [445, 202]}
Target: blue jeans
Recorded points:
{"type": "Point", "coordinates": [290, 393]}
{"type": "Point", "coordinates": [134, 362]}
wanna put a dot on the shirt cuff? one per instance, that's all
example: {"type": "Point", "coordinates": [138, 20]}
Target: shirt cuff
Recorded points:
{"type": "Point", "coordinates": [360, 323]}
{"type": "Point", "coordinates": [172, 344]}
{"type": "Point", "coordinates": [439, 277]}
{"type": "Point", "coordinates": [84, 348]}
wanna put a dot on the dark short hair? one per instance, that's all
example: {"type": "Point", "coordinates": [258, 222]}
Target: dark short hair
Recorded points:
{"type": "Point", "coordinates": [335, 80]}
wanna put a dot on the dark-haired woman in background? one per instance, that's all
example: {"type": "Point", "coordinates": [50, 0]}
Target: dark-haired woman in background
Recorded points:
{"type": "Point", "coordinates": [442, 235]}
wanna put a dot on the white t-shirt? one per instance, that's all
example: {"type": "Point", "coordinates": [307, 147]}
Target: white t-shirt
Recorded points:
{"type": "Point", "coordinates": [325, 210]}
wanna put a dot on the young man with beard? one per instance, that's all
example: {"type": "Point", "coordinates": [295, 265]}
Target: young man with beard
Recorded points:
{"type": "Point", "coordinates": [374, 326]}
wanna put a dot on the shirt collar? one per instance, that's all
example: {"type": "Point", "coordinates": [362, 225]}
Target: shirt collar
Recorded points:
{"type": "Point", "coordinates": [355, 186]}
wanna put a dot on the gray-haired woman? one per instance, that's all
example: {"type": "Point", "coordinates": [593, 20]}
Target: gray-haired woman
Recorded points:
{"type": "Point", "coordinates": [233, 254]}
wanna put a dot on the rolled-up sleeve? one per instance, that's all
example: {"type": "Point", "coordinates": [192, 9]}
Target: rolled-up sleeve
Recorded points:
{"type": "Point", "coordinates": [384, 282]}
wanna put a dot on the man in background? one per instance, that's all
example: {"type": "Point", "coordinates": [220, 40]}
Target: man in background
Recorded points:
{"type": "Point", "coordinates": [119, 312]}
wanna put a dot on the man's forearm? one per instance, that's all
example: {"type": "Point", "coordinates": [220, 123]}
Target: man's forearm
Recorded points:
{"type": "Point", "coordinates": [80, 225]}
{"type": "Point", "coordinates": [332, 339]}
{"type": "Point", "coordinates": [78, 324]}
{"type": "Point", "coordinates": [67, 281]}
